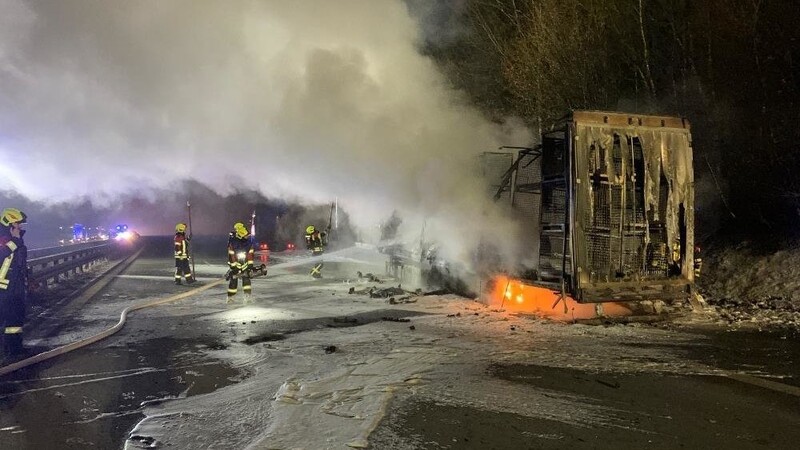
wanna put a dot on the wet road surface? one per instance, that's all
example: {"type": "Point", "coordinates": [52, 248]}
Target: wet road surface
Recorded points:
{"type": "Point", "coordinates": [93, 397]}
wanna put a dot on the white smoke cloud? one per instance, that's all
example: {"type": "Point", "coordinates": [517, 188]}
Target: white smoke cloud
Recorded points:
{"type": "Point", "coordinates": [309, 99]}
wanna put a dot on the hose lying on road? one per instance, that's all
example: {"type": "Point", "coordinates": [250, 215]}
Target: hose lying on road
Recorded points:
{"type": "Point", "coordinates": [103, 334]}
{"type": "Point", "coordinates": [44, 356]}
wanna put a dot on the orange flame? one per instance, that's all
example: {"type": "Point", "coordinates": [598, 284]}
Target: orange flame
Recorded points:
{"type": "Point", "coordinates": [514, 295]}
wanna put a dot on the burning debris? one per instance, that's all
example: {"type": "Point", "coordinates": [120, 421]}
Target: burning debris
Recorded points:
{"type": "Point", "coordinates": [508, 294]}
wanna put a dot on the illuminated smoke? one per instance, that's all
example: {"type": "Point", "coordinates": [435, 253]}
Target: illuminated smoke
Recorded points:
{"type": "Point", "coordinates": [299, 100]}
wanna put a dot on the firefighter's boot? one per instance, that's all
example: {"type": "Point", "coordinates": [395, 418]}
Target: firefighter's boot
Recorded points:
{"type": "Point", "coordinates": [190, 280]}
{"type": "Point", "coordinates": [248, 298]}
{"type": "Point", "coordinates": [230, 300]}
{"type": "Point", "coordinates": [178, 281]}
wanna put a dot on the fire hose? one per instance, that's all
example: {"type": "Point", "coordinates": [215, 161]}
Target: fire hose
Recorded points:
{"type": "Point", "coordinates": [103, 334]}
{"type": "Point", "coordinates": [247, 273]}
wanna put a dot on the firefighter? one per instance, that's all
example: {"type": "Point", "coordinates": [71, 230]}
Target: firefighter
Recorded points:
{"type": "Point", "coordinates": [316, 242]}
{"type": "Point", "coordinates": [240, 261]}
{"type": "Point", "coordinates": [13, 279]}
{"type": "Point", "coordinates": [182, 269]}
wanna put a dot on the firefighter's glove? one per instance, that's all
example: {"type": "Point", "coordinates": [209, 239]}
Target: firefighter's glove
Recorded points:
{"type": "Point", "coordinates": [234, 270]}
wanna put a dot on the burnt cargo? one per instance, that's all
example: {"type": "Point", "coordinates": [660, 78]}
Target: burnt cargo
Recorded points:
{"type": "Point", "coordinates": [614, 194]}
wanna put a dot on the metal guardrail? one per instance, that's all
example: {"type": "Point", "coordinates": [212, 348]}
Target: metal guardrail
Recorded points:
{"type": "Point", "coordinates": [34, 253]}
{"type": "Point", "coordinates": [49, 270]}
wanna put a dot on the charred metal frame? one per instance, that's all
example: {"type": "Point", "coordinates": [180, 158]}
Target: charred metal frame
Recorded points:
{"type": "Point", "coordinates": [508, 182]}
{"type": "Point", "coordinates": [616, 208]}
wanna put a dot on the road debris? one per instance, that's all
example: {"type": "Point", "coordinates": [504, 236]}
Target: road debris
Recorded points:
{"type": "Point", "coordinates": [369, 276]}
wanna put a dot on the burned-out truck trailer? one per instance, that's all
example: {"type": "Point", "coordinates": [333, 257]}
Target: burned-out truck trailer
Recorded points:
{"type": "Point", "coordinates": [615, 200]}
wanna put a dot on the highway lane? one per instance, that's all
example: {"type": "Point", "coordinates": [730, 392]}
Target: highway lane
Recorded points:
{"type": "Point", "coordinates": [198, 373]}
{"type": "Point", "coordinates": [94, 396]}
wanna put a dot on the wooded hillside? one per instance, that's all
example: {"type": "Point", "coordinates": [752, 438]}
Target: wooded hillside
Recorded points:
{"type": "Point", "coordinates": [730, 66]}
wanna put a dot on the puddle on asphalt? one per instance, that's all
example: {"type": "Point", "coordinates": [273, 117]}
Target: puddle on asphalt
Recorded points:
{"type": "Point", "coordinates": [776, 354]}
{"type": "Point", "coordinates": [95, 396]}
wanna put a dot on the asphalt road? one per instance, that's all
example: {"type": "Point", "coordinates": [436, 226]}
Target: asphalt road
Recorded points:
{"type": "Point", "coordinates": [94, 397]}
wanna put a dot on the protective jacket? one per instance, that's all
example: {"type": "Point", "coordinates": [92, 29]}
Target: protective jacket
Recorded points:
{"type": "Point", "coordinates": [241, 253]}
{"type": "Point", "coordinates": [182, 269]}
{"type": "Point", "coordinates": [181, 248]}
{"type": "Point", "coordinates": [13, 290]}
{"type": "Point", "coordinates": [316, 241]}
{"type": "Point", "coordinates": [13, 265]}
{"type": "Point", "coordinates": [240, 260]}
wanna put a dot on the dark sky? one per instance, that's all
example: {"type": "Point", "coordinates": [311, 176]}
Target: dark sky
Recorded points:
{"type": "Point", "coordinates": [116, 105]}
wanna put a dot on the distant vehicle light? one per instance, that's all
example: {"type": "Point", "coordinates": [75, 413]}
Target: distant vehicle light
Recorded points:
{"type": "Point", "coordinates": [263, 246]}
{"type": "Point", "coordinates": [290, 246]}
{"type": "Point", "coordinates": [124, 236]}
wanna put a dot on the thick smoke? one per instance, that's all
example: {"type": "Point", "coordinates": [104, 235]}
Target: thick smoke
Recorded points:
{"type": "Point", "coordinates": [299, 100]}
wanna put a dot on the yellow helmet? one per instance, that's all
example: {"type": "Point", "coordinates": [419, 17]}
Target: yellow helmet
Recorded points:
{"type": "Point", "coordinates": [180, 228]}
{"type": "Point", "coordinates": [239, 230]}
{"type": "Point", "coordinates": [13, 215]}
{"type": "Point", "coordinates": [310, 229]}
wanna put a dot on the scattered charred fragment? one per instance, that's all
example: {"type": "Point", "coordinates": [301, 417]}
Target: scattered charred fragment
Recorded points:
{"type": "Point", "coordinates": [611, 200]}
{"type": "Point", "coordinates": [425, 268]}
{"type": "Point", "coordinates": [369, 277]}
{"type": "Point", "coordinates": [387, 292]}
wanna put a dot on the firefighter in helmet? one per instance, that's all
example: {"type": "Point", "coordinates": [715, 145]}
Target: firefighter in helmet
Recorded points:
{"type": "Point", "coordinates": [316, 241]}
{"type": "Point", "coordinates": [182, 269]}
{"type": "Point", "coordinates": [13, 279]}
{"type": "Point", "coordinates": [240, 261]}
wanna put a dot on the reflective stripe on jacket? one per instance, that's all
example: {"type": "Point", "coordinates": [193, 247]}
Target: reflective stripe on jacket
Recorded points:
{"type": "Point", "coordinates": [13, 262]}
